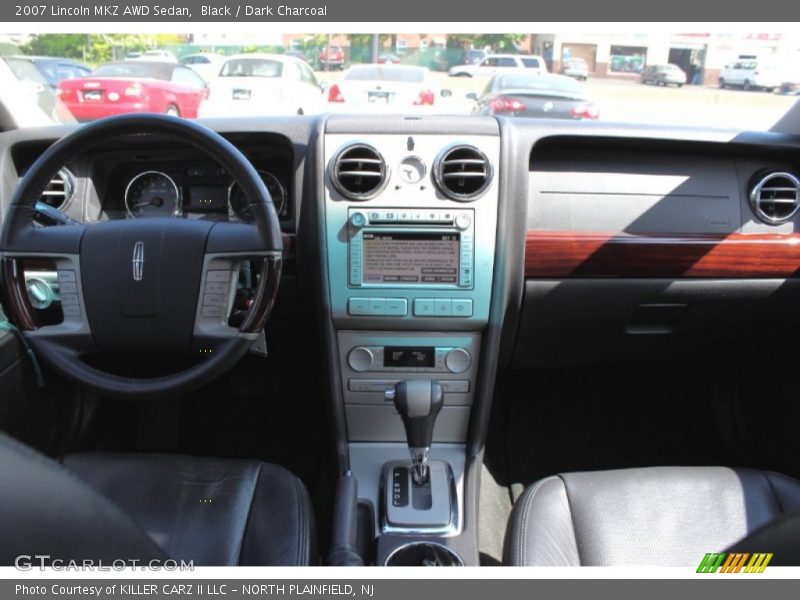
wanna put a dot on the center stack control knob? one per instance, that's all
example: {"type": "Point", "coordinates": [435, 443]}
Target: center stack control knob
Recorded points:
{"type": "Point", "coordinates": [457, 360]}
{"type": "Point", "coordinates": [360, 359]}
{"type": "Point", "coordinates": [358, 220]}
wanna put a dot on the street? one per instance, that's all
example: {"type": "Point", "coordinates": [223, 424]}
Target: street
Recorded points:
{"type": "Point", "coordinates": [630, 101]}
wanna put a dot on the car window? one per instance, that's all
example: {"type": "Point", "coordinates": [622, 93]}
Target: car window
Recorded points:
{"type": "Point", "coordinates": [252, 67]}
{"type": "Point", "coordinates": [187, 78]}
{"type": "Point", "coordinates": [386, 73]}
{"type": "Point", "coordinates": [533, 63]}
{"type": "Point", "coordinates": [135, 69]}
{"type": "Point", "coordinates": [307, 75]}
{"type": "Point", "coordinates": [489, 62]}
{"type": "Point", "coordinates": [506, 62]}
{"type": "Point", "coordinates": [25, 70]}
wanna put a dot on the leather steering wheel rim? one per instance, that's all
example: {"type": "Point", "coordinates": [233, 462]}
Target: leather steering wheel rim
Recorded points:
{"type": "Point", "coordinates": [62, 351]}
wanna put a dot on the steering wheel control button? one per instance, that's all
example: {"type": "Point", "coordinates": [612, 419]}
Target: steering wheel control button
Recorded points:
{"type": "Point", "coordinates": [219, 275]}
{"type": "Point", "coordinates": [458, 360]}
{"type": "Point", "coordinates": [462, 308]}
{"type": "Point", "coordinates": [215, 287]}
{"type": "Point", "coordinates": [211, 312]}
{"type": "Point", "coordinates": [358, 307]}
{"type": "Point", "coordinates": [360, 359]}
{"type": "Point", "coordinates": [443, 307]}
{"type": "Point", "coordinates": [213, 300]}
{"type": "Point", "coordinates": [65, 276]}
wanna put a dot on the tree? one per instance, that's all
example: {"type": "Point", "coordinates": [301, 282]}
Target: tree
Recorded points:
{"type": "Point", "coordinates": [96, 48]}
{"type": "Point", "coordinates": [499, 42]}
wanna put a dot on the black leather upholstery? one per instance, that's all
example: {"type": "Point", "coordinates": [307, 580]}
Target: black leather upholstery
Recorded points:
{"type": "Point", "coordinates": [667, 516]}
{"type": "Point", "coordinates": [109, 506]}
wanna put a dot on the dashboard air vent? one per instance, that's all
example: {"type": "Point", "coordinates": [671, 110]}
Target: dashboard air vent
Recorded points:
{"type": "Point", "coordinates": [462, 173]}
{"type": "Point", "coordinates": [60, 189]}
{"type": "Point", "coordinates": [359, 172]}
{"type": "Point", "coordinates": [775, 197]}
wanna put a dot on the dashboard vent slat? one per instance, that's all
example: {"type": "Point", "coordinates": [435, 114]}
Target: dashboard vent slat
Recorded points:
{"type": "Point", "coordinates": [462, 173]}
{"type": "Point", "coordinates": [775, 197]}
{"type": "Point", "coordinates": [60, 189]}
{"type": "Point", "coordinates": [358, 172]}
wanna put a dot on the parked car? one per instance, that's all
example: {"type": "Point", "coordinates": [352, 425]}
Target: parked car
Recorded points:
{"type": "Point", "coordinates": [332, 57]}
{"type": "Point", "coordinates": [158, 55]}
{"type": "Point", "coordinates": [531, 95]}
{"type": "Point", "coordinates": [473, 57]}
{"type": "Point", "coordinates": [296, 54]}
{"type": "Point", "coordinates": [380, 88]}
{"type": "Point", "coordinates": [42, 74]}
{"type": "Point", "coordinates": [206, 64]}
{"type": "Point", "coordinates": [577, 68]}
{"type": "Point", "coordinates": [497, 63]}
{"type": "Point", "coordinates": [751, 74]}
{"type": "Point", "coordinates": [133, 86]}
{"type": "Point", "coordinates": [388, 59]}
{"type": "Point", "coordinates": [664, 75]}
{"type": "Point", "coordinates": [263, 84]}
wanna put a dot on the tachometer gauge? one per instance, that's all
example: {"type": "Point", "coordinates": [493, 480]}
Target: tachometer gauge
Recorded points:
{"type": "Point", "coordinates": [152, 194]}
{"type": "Point", "coordinates": [237, 201]}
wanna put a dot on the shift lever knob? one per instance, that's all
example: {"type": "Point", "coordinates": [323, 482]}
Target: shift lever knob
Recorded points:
{"type": "Point", "coordinates": [418, 401]}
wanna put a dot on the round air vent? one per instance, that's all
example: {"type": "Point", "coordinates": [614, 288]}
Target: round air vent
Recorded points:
{"type": "Point", "coordinates": [775, 197]}
{"type": "Point", "coordinates": [359, 172]}
{"type": "Point", "coordinates": [60, 189]}
{"type": "Point", "coordinates": [462, 173]}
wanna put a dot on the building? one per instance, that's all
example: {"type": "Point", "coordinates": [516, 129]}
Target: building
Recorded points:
{"type": "Point", "coordinates": [624, 55]}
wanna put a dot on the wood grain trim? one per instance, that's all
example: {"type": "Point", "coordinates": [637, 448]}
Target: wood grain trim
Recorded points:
{"type": "Point", "coordinates": [15, 294]}
{"type": "Point", "coordinates": [569, 254]}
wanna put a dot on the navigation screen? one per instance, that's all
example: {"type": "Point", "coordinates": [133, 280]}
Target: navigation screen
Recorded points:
{"type": "Point", "coordinates": [410, 258]}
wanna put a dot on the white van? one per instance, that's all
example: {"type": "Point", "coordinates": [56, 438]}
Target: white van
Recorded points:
{"type": "Point", "coordinates": [751, 74]}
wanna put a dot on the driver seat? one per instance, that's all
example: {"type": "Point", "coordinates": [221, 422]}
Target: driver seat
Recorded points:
{"type": "Point", "coordinates": [107, 507]}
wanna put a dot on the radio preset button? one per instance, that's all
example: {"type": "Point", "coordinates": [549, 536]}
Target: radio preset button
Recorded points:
{"type": "Point", "coordinates": [396, 307]}
{"type": "Point", "coordinates": [360, 359]}
{"type": "Point", "coordinates": [462, 307]}
{"type": "Point", "coordinates": [358, 306]}
{"type": "Point", "coordinates": [377, 306]}
{"type": "Point", "coordinates": [443, 307]}
{"type": "Point", "coordinates": [423, 307]}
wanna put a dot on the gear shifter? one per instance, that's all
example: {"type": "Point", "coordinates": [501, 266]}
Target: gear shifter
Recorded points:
{"type": "Point", "coordinates": [418, 401]}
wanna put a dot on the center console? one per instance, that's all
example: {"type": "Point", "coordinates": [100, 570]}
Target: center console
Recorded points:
{"type": "Point", "coordinates": [410, 225]}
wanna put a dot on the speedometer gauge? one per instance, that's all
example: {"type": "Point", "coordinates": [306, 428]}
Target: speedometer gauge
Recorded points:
{"type": "Point", "coordinates": [152, 194]}
{"type": "Point", "coordinates": [237, 201]}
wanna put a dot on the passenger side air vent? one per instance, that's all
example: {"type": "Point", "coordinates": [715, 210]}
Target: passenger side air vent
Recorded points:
{"type": "Point", "coordinates": [462, 173]}
{"type": "Point", "coordinates": [775, 197]}
{"type": "Point", "coordinates": [60, 189]}
{"type": "Point", "coordinates": [359, 172]}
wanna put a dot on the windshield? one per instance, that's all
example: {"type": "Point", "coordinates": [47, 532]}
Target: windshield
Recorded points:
{"type": "Point", "coordinates": [396, 74]}
{"type": "Point", "coordinates": [248, 67]}
{"type": "Point", "coordinates": [731, 80]}
{"type": "Point", "coordinates": [134, 70]}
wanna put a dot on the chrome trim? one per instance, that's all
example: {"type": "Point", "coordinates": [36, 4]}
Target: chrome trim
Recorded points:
{"type": "Point", "coordinates": [438, 179]}
{"type": "Point", "coordinates": [333, 170]}
{"type": "Point", "coordinates": [756, 200]}
{"type": "Point", "coordinates": [178, 205]}
{"type": "Point", "coordinates": [402, 547]}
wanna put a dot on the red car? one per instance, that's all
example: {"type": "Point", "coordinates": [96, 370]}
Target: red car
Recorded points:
{"type": "Point", "coordinates": [332, 57]}
{"type": "Point", "coordinates": [133, 86]}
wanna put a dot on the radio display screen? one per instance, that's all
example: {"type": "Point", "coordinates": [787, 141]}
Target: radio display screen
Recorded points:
{"type": "Point", "coordinates": [411, 258]}
{"type": "Point", "coordinates": [409, 356]}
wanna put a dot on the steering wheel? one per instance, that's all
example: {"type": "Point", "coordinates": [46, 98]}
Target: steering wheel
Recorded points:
{"type": "Point", "coordinates": [150, 285]}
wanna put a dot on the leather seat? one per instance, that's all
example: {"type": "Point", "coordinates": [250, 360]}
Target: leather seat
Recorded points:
{"type": "Point", "coordinates": [150, 506]}
{"type": "Point", "coordinates": [661, 516]}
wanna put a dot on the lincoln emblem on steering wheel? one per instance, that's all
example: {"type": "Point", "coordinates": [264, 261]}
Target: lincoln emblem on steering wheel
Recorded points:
{"type": "Point", "coordinates": [138, 261]}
